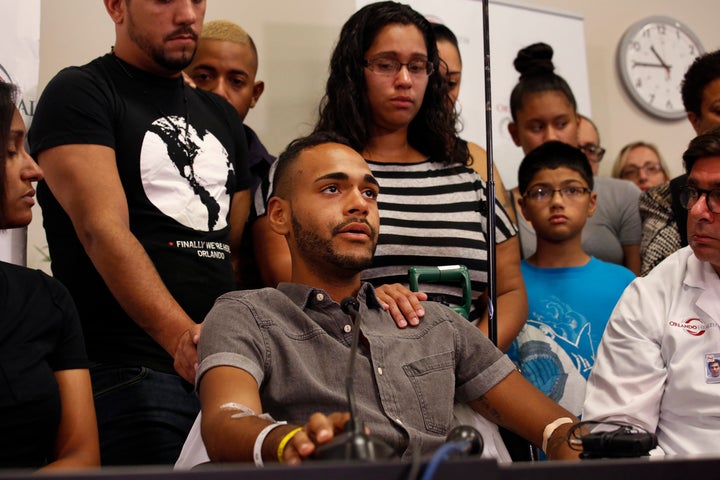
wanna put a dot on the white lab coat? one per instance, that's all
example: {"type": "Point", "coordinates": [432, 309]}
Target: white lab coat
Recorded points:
{"type": "Point", "coordinates": [651, 368]}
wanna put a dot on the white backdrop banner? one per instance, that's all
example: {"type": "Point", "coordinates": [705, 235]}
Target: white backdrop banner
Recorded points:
{"type": "Point", "coordinates": [19, 63]}
{"type": "Point", "coordinates": [512, 27]}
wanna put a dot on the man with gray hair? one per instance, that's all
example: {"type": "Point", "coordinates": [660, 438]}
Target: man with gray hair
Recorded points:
{"type": "Point", "coordinates": [652, 364]}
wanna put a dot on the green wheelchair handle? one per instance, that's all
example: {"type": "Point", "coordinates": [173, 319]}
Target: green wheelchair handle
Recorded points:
{"type": "Point", "coordinates": [445, 273]}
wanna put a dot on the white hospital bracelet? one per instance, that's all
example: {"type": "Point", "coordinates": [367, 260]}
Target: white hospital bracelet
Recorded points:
{"type": "Point", "coordinates": [550, 429]}
{"type": "Point", "coordinates": [257, 449]}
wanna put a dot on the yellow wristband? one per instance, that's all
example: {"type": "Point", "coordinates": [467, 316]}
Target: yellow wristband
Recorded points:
{"type": "Point", "coordinates": [283, 443]}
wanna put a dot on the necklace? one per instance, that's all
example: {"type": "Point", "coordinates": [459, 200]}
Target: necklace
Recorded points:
{"type": "Point", "coordinates": [183, 140]}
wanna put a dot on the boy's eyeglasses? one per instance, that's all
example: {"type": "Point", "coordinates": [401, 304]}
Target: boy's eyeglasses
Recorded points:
{"type": "Point", "coordinates": [542, 195]}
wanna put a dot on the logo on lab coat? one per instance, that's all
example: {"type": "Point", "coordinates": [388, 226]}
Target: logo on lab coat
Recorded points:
{"type": "Point", "coordinates": [693, 326]}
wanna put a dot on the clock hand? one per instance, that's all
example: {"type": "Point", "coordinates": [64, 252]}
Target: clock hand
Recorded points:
{"type": "Point", "coordinates": [652, 49]}
{"type": "Point", "coordinates": [643, 64]}
{"type": "Point", "coordinates": [665, 65]}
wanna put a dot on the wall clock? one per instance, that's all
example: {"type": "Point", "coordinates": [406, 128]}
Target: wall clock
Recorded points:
{"type": "Point", "coordinates": [653, 56]}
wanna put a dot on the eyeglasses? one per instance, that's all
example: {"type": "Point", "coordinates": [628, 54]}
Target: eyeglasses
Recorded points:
{"type": "Point", "coordinates": [690, 195]}
{"type": "Point", "coordinates": [595, 153]}
{"type": "Point", "coordinates": [389, 66]}
{"type": "Point", "coordinates": [542, 195]}
{"type": "Point", "coordinates": [631, 173]}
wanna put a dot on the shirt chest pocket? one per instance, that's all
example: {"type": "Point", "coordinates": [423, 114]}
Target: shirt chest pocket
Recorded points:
{"type": "Point", "coordinates": [433, 379]}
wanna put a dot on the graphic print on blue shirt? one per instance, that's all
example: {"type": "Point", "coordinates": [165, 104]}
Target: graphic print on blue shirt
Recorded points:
{"type": "Point", "coordinates": [569, 329]}
{"type": "Point", "coordinates": [556, 348]}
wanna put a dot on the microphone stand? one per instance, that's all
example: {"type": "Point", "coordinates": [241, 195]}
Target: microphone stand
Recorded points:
{"type": "Point", "coordinates": [492, 276]}
{"type": "Point", "coordinates": [350, 306]}
{"type": "Point", "coordinates": [354, 444]}
{"type": "Point", "coordinates": [491, 270]}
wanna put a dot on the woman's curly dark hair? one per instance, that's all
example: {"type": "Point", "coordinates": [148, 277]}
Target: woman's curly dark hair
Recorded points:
{"type": "Point", "coordinates": [703, 71]}
{"type": "Point", "coordinates": [345, 108]}
{"type": "Point", "coordinates": [534, 63]}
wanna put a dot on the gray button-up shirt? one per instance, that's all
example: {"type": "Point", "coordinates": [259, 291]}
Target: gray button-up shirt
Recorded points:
{"type": "Point", "coordinates": [295, 341]}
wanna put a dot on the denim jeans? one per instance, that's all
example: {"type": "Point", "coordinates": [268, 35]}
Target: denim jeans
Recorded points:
{"type": "Point", "coordinates": [143, 415]}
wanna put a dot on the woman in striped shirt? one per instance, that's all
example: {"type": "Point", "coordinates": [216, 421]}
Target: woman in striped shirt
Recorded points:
{"type": "Point", "coordinates": [385, 94]}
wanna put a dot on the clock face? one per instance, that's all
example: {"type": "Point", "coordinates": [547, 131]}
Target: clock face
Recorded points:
{"type": "Point", "coordinates": [653, 56]}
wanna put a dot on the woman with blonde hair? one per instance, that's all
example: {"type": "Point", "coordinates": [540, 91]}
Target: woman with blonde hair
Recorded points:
{"type": "Point", "coordinates": [642, 164]}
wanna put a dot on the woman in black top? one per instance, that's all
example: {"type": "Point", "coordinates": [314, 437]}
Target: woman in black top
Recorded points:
{"type": "Point", "coordinates": [47, 416]}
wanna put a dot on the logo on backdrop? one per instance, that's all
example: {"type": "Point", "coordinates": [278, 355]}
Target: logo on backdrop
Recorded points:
{"type": "Point", "coordinates": [26, 107]}
{"type": "Point", "coordinates": [187, 174]}
{"type": "Point", "coordinates": [5, 75]}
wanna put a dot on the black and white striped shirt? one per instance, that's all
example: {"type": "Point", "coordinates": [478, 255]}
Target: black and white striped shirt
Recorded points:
{"type": "Point", "coordinates": [434, 214]}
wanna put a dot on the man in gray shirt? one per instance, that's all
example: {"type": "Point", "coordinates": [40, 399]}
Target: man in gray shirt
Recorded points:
{"type": "Point", "coordinates": [284, 351]}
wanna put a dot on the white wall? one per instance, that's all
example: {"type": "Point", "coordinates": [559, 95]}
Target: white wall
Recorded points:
{"type": "Point", "coordinates": [619, 120]}
{"type": "Point", "coordinates": [295, 39]}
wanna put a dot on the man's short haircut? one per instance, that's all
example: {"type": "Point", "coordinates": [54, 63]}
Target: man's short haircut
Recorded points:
{"type": "Point", "coordinates": [714, 361]}
{"type": "Point", "coordinates": [552, 155]}
{"type": "Point", "coordinates": [704, 145]}
{"type": "Point", "coordinates": [703, 71]}
{"type": "Point", "coordinates": [282, 181]}
{"type": "Point", "coordinates": [589, 120]}
{"type": "Point", "coordinates": [227, 31]}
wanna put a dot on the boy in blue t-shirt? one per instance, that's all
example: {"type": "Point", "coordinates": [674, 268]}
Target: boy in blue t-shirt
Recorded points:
{"type": "Point", "coordinates": [570, 293]}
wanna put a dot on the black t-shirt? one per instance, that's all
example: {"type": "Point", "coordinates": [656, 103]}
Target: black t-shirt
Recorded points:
{"type": "Point", "coordinates": [39, 335]}
{"type": "Point", "coordinates": [181, 155]}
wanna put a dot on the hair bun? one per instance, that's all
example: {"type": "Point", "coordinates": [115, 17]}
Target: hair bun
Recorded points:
{"type": "Point", "coordinates": [534, 60]}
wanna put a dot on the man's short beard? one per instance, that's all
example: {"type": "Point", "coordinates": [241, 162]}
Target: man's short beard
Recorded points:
{"type": "Point", "coordinates": [312, 246]}
{"type": "Point", "coordinates": [172, 64]}
{"type": "Point", "coordinates": [158, 55]}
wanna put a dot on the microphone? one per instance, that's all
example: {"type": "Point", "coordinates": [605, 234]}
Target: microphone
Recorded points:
{"type": "Point", "coordinates": [467, 439]}
{"type": "Point", "coordinates": [462, 440]}
{"type": "Point", "coordinates": [350, 306]}
{"type": "Point", "coordinates": [354, 444]}
{"type": "Point", "coordinates": [622, 442]}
